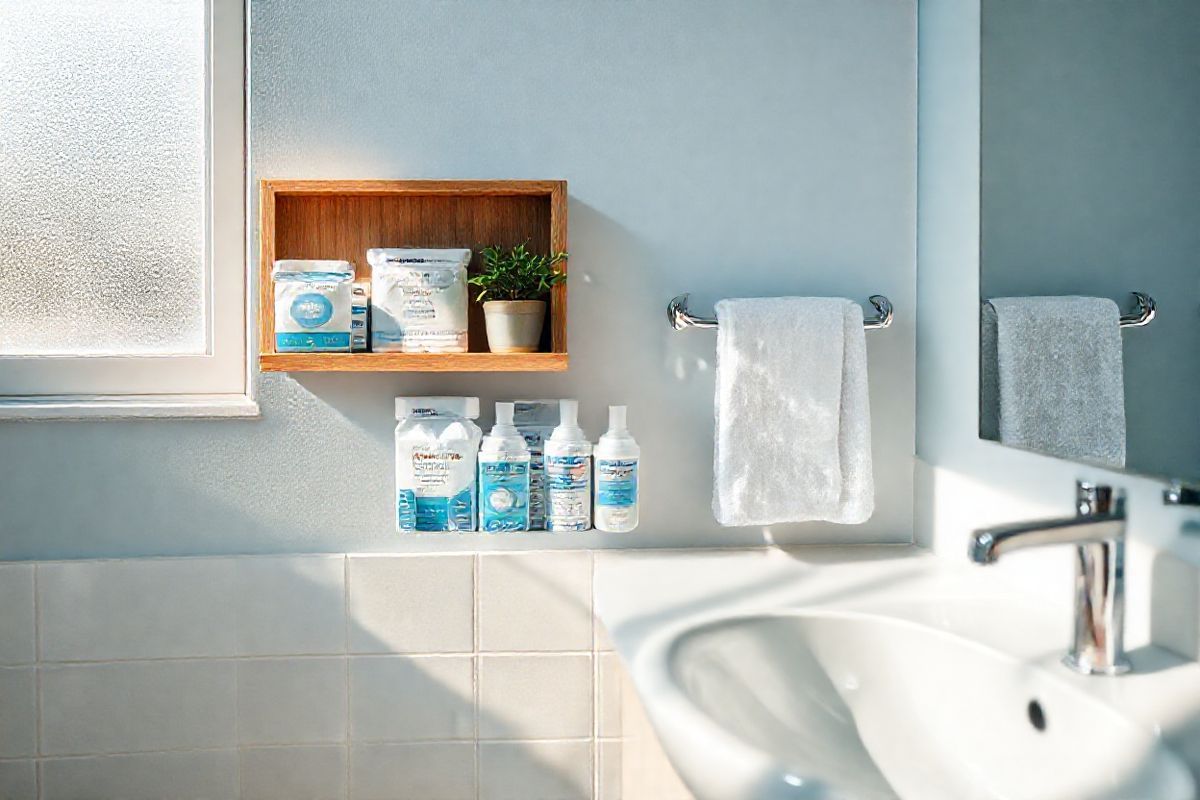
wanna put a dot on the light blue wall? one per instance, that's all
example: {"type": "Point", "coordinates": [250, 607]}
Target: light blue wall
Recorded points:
{"type": "Point", "coordinates": [729, 149]}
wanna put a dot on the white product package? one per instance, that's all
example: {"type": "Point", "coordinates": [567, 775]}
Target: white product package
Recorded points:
{"type": "Point", "coordinates": [312, 305]}
{"type": "Point", "coordinates": [535, 419]}
{"type": "Point", "coordinates": [418, 300]}
{"type": "Point", "coordinates": [437, 447]}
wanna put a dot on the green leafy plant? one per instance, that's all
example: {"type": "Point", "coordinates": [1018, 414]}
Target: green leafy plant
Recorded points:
{"type": "Point", "coordinates": [517, 274]}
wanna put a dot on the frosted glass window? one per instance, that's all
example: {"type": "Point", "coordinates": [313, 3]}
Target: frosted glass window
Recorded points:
{"type": "Point", "coordinates": [103, 131]}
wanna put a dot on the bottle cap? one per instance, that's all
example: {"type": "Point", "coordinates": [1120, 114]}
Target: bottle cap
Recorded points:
{"type": "Point", "coordinates": [504, 428]}
{"type": "Point", "coordinates": [504, 413]}
{"type": "Point", "coordinates": [504, 436]}
{"type": "Point", "coordinates": [617, 437]}
{"type": "Point", "coordinates": [568, 422]}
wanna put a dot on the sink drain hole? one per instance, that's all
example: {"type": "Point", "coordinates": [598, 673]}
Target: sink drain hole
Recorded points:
{"type": "Point", "coordinates": [1037, 717]}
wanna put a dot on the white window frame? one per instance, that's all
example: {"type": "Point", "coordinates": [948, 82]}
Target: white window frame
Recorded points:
{"type": "Point", "coordinates": [218, 382]}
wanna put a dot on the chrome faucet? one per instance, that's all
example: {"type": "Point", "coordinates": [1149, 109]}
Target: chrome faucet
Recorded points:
{"type": "Point", "coordinates": [1098, 528]}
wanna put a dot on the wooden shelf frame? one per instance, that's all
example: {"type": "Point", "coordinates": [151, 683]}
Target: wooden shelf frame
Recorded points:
{"type": "Point", "coordinates": [342, 219]}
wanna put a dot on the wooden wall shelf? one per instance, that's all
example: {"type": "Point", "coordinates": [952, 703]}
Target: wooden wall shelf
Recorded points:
{"type": "Point", "coordinates": [343, 219]}
{"type": "Point", "coordinates": [413, 362]}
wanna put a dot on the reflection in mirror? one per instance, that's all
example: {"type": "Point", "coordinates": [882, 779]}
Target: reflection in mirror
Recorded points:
{"type": "Point", "coordinates": [1090, 172]}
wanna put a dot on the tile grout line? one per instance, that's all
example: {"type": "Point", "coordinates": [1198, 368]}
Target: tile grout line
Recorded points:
{"type": "Point", "coordinates": [298, 744]}
{"type": "Point", "coordinates": [37, 686]}
{"type": "Point", "coordinates": [346, 655]}
{"type": "Point", "coordinates": [237, 726]}
{"type": "Point", "coordinates": [301, 656]}
{"type": "Point", "coordinates": [476, 614]}
{"type": "Point", "coordinates": [595, 680]}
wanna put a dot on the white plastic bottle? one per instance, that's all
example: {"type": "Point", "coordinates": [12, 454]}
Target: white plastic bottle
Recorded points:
{"type": "Point", "coordinates": [568, 473]}
{"type": "Point", "coordinates": [504, 476]}
{"type": "Point", "coordinates": [617, 457]}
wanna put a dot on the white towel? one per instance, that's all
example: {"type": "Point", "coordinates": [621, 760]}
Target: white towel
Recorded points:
{"type": "Point", "coordinates": [1052, 377]}
{"type": "Point", "coordinates": [793, 430]}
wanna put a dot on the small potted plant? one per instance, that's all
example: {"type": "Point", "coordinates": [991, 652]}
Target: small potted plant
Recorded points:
{"type": "Point", "coordinates": [513, 286]}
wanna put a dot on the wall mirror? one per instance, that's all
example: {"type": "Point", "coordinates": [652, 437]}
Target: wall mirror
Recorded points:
{"type": "Point", "coordinates": [1090, 172]}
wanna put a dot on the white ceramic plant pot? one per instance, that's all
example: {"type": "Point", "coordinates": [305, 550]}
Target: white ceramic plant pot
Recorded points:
{"type": "Point", "coordinates": [514, 326]}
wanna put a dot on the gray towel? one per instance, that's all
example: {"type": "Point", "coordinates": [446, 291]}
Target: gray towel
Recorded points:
{"type": "Point", "coordinates": [1052, 377]}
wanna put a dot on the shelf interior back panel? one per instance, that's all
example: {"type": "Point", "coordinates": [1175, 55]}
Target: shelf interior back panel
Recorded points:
{"type": "Point", "coordinates": [345, 226]}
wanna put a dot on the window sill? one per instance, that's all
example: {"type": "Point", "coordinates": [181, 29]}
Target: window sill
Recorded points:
{"type": "Point", "coordinates": [184, 406]}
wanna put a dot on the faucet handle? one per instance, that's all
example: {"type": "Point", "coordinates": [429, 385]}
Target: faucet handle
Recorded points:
{"type": "Point", "coordinates": [1181, 494]}
{"type": "Point", "coordinates": [1092, 499]}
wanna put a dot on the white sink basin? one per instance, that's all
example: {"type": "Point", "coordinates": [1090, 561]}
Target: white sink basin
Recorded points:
{"type": "Point", "coordinates": [862, 706]}
{"type": "Point", "coordinates": [883, 674]}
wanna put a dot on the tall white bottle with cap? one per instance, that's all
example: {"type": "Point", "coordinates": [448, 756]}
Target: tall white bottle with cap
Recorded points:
{"type": "Point", "coordinates": [504, 476]}
{"type": "Point", "coordinates": [568, 473]}
{"type": "Point", "coordinates": [617, 457]}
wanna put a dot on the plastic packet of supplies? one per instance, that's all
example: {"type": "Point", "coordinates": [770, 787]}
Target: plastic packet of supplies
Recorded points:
{"type": "Point", "coordinates": [312, 305]}
{"type": "Point", "coordinates": [418, 300]}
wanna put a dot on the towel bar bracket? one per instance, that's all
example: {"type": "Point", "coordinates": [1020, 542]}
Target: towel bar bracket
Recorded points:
{"type": "Point", "coordinates": [1146, 309]}
{"type": "Point", "coordinates": [680, 318]}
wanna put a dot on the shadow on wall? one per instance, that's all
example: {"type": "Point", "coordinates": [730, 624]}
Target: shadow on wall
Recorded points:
{"type": "Point", "coordinates": [508, 766]}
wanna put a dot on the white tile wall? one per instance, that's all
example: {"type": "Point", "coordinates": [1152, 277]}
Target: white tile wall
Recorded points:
{"type": "Point", "coordinates": [137, 706]}
{"type": "Point", "coordinates": [403, 604]}
{"type": "Point", "coordinates": [535, 601]}
{"type": "Point", "coordinates": [313, 772]}
{"type": "Point", "coordinates": [325, 677]}
{"type": "Point", "coordinates": [147, 608]}
{"type": "Point", "coordinates": [609, 773]}
{"type": "Point", "coordinates": [535, 696]}
{"type": "Point", "coordinates": [437, 771]}
{"type": "Point", "coordinates": [18, 779]}
{"type": "Point", "coordinates": [412, 698]}
{"type": "Point", "coordinates": [16, 614]}
{"type": "Point", "coordinates": [142, 776]}
{"type": "Point", "coordinates": [535, 771]}
{"type": "Point", "coordinates": [18, 712]}
{"type": "Point", "coordinates": [291, 605]}
{"type": "Point", "coordinates": [291, 700]}
{"type": "Point", "coordinates": [608, 693]}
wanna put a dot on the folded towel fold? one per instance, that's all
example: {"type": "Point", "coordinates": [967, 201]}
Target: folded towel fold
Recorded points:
{"type": "Point", "coordinates": [1052, 377]}
{"type": "Point", "coordinates": [793, 423]}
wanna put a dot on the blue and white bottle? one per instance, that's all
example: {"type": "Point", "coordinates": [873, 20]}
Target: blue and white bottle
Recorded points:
{"type": "Point", "coordinates": [504, 476]}
{"type": "Point", "coordinates": [617, 459]}
{"type": "Point", "coordinates": [568, 473]}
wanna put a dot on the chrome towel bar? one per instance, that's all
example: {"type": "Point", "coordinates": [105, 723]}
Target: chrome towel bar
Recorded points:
{"type": "Point", "coordinates": [1146, 309]}
{"type": "Point", "coordinates": [680, 318]}
{"type": "Point", "coordinates": [1142, 315]}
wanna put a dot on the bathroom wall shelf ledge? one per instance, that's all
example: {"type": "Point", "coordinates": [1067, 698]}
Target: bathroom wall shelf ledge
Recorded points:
{"type": "Point", "coordinates": [413, 362]}
{"type": "Point", "coordinates": [336, 219]}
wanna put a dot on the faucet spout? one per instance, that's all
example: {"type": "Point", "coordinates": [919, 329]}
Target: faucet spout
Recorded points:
{"type": "Point", "coordinates": [988, 544]}
{"type": "Point", "coordinates": [1098, 532]}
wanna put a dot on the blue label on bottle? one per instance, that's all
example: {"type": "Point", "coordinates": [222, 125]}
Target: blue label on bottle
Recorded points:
{"type": "Point", "coordinates": [455, 513]}
{"type": "Point", "coordinates": [462, 510]}
{"type": "Point", "coordinates": [616, 482]}
{"type": "Point", "coordinates": [406, 510]}
{"type": "Point", "coordinates": [568, 481]}
{"type": "Point", "coordinates": [504, 495]}
{"type": "Point", "coordinates": [309, 342]}
{"type": "Point", "coordinates": [311, 310]}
